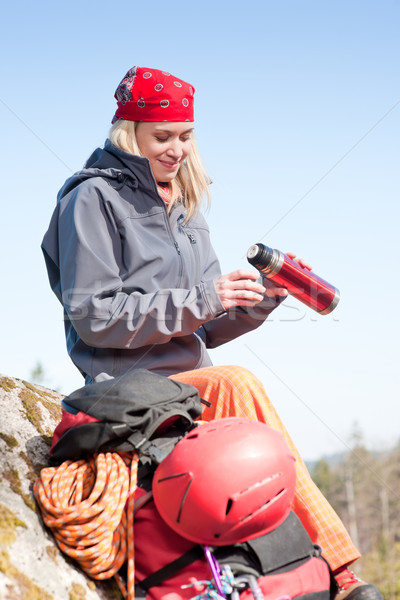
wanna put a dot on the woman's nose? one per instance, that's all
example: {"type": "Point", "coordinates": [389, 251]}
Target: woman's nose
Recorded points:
{"type": "Point", "coordinates": [175, 149]}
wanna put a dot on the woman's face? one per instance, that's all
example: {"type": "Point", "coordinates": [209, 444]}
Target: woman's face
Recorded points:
{"type": "Point", "coordinates": [166, 145]}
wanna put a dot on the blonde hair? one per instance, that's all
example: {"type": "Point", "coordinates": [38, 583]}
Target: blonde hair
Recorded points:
{"type": "Point", "coordinates": [191, 182]}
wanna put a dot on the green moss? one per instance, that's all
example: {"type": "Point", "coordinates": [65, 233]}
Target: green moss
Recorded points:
{"type": "Point", "coordinates": [8, 524]}
{"type": "Point", "coordinates": [48, 439]}
{"type": "Point", "coordinates": [91, 585]}
{"type": "Point", "coordinates": [10, 440]}
{"type": "Point", "coordinates": [31, 387]}
{"type": "Point", "coordinates": [42, 393]}
{"type": "Point", "coordinates": [7, 384]}
{"type": "Point", "coordinates": [53, 552]}
{"type": "Point", "coordinates": [32, 410]}
{"type": "Point", "coordinates": [53, 408]}
{"type": "Point", "coordinates": [111, 587]}
{"type": "Point", "coordinates": [13, 479]}
{"type": "Point", "coordinates": [33, 470]}
{"type": "Point", "coordinates": [77, 592]}
{"type": "Point", "coordinates": [33, 413]}
{"type": "Point", "coordinates": [22, 587]}
{"type": "Point", "coordinates": [4, 561]}
{"type": "Point", "coordinates": [46, 398]}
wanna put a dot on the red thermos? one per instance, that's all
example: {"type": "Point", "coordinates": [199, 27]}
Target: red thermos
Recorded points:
{"type": "Point", "coordinates": [301, 283]}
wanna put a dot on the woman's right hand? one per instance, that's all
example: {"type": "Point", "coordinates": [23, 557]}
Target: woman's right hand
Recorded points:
{"type": "Point", "coordinates": [239, 288]}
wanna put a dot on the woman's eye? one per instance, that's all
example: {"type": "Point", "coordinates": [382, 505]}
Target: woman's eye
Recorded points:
{"type": "Point", "coordinates": [187, 138]}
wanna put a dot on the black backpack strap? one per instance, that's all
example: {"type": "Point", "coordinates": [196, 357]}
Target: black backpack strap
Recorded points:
{"type": "Point", "coordinates": [140, 593]}
{"type": "Point", "coordinates": [172, 568]}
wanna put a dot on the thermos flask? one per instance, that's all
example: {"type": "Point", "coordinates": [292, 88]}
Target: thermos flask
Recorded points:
{"type": "Point", "coordinates": [301, 283]}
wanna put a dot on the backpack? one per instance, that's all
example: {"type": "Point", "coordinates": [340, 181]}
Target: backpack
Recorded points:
{"type": "Point", "coordinates": [124, 414]}
{"type": "Point", "coordinates": [282, 563]}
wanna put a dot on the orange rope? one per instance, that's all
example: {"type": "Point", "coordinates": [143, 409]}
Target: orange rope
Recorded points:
{"type": "Point", "coordinates": [89, 507]}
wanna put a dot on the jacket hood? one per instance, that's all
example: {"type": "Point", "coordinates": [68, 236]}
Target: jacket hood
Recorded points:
{"type": "Point", "coordinates": [111, 163]}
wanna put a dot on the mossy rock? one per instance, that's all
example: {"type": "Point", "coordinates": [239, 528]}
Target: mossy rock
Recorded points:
{"type": "Point", "coordinates": [31, 565]}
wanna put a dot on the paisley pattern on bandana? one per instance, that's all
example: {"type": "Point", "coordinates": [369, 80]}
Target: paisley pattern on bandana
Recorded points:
{"type": "Point", "coordinates": [153, 95]}
{"type": "Point", "coordinates": [124, 91]}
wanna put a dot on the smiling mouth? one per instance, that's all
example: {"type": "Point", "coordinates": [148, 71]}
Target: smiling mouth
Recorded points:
{"type": "Point", "coordinates": [169, 165]}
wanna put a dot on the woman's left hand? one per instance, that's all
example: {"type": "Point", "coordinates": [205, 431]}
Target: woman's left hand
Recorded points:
{"type": "Point", "coordinates": [301, 262]}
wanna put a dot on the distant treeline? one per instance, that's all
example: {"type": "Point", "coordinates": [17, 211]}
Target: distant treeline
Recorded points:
{"type": "Point", "coordinates": [364, 489]}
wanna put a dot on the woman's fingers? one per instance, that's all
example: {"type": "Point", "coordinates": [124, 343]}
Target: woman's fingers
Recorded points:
{"type": "Point", "coordinates": [302, 263]}
{"type": "Point", "coordinates": [239, 288]}
{"type": "Point", "coordinates": [272, 290]}
{"type": "Point", "coordinates": [242, 275]}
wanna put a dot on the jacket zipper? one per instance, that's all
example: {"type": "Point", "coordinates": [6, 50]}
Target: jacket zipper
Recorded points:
{"type": "Point", "coordinates": [171, 235]}
{"type": "Point", "coordinates": [193, 244]}
{"type": "Point", "coordinates": [178, 250]}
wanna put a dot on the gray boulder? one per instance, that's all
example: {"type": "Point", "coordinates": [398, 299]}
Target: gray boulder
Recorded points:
{"type": "Point", "coordinates": [31, 565]}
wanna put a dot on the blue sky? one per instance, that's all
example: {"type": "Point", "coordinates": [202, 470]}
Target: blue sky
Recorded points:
{"type": "Point", "coordinates": [297, 118]}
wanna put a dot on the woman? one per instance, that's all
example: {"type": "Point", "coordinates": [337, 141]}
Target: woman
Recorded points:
{"type": "Point", "coordinates": [129, 257]}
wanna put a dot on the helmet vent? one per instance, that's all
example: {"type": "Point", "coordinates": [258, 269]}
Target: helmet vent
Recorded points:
{"type": "Point", "coordinates": [274, 499]}
{"type": "Point", "coordinates": [264, 505]}
{"type": "Point", "coordinates": [229, 505]}
{"type": "Point", "coordinates": [183, 501]}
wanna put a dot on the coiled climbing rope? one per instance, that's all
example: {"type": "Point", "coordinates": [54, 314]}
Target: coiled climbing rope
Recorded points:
{"type": "Point", "coordinates": [89, 507]}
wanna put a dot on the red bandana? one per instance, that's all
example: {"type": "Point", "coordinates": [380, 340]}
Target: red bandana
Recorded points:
{"type": "Point", "coordinates": [153, 95]}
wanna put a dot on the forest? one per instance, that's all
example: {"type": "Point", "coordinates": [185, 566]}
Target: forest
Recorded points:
{"type": "Point", "coordinates": [364, 489]}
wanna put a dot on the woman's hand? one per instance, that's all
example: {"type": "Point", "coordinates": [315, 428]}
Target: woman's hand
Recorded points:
{"type": "Point", "coordinates": [301, 262]}
{"type": "Point", "coordinates": [239, 288]}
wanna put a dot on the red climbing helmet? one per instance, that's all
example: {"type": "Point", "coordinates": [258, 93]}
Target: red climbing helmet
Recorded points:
{"type": "Point", "coordinates": [225, 482]}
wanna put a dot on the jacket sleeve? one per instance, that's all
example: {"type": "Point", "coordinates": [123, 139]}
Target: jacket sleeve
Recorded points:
{"type": "Point", "coordinates": [84, 269]}
{"type": "Point", "coordinates": [235, 322]}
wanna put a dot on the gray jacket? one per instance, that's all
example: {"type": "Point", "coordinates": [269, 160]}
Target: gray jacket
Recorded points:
{"type": "Point", "coordinates": [136, 284]}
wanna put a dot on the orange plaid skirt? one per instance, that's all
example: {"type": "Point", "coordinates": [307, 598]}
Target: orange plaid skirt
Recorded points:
{"type": "Point", "coordinates": [235, 392]}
